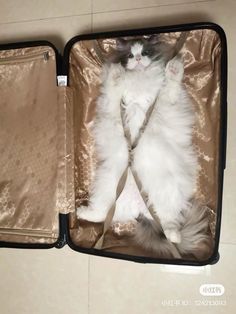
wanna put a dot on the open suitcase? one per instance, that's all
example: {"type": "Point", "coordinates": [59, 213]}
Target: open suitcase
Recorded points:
{"type": "Point", "coordinates": [47, 155]}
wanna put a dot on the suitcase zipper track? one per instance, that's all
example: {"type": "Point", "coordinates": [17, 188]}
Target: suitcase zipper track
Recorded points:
{"type": "Point", "coordinates": [27, 232]}
{"type": "Point", "coordinates": [44, 55]}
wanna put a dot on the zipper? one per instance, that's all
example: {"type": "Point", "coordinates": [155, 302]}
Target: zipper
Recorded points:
{"type": "Point", "coordinates": [45, 55]}
{"type": "Point", "coordinates": [27, 232]}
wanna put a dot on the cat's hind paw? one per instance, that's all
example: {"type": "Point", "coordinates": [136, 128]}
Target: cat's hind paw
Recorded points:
{"type": "Point", "coordinates": [90, 214]}
{"type": "Point", "coordinates": [173, 235]}
{"type": "Point", "coordinates": [175, 69]}
{"type": "Point", "coordinates": [82, 212]}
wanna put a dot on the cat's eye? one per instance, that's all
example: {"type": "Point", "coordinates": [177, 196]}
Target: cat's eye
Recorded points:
{"type": "Point", "coordinates": [130, 55]}
{"type": "Point", "coordinates": [145, 53]}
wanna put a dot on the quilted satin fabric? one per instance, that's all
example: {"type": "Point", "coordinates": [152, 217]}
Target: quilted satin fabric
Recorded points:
{"type": "Point", "coordinates": [201, 54]}
{"type": "Point", "coordinates": [29, 120]}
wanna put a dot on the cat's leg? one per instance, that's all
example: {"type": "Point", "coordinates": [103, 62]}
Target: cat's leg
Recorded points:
{"type": "Point", "coordinates": [174, 70]}
{"type": "Point", "coordinates": [167, 183]}
{"type": "Point", "coordinates": [170, 220]}
{"type": "Point", "coordinates": [111, 147]}
{"type": "Point", "coordinates": [180, 185]}
{"type": "Point", "coordinates": [163, 159]}
{"type": "Point", "coordinates": [168, 204]}
{"type": "Point", "coordinates": [103, 192]}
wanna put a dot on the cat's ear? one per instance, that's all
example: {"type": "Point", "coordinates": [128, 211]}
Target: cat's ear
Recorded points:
{"type": "Point", "coordinates": [121, 43]}
{"type": "Point", "coordinates": [153, 39]}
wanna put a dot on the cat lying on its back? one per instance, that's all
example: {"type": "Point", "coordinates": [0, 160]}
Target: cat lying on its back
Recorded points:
{"type": "Point", "coordinates": [164, 159]}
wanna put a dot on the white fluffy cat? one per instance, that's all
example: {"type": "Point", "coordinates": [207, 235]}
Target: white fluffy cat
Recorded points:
{"type": "Point", "coordinates": [164, 159]}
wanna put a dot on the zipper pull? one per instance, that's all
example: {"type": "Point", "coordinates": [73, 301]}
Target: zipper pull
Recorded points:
{"type": "Point", "coordinates": [62, 80]}
{"type": "Point", "coordinates": [46, 55]}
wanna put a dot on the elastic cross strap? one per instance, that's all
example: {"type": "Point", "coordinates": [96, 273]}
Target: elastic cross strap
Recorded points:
{"type": "Point", "coordinates": [123, 178]}
{"type": "Point", "coordinates": [111, 211]}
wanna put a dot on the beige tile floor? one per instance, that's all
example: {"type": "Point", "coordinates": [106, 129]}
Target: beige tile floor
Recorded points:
{"type": "Point", "coordinates": [62, 281]}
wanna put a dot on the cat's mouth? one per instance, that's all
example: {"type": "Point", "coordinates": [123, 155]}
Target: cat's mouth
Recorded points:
{"type": "Point", "coordinates": [140, 66]}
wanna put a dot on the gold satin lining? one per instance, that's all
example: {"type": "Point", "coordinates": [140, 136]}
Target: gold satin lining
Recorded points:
{"type": "Point", "coordinates": [201, 54]}
{"type": "Point", "coordinates": [32, 163]}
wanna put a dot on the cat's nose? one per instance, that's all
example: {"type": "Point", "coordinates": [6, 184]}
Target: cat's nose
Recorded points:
{"type": "Point", "coordinates": [138, 58]}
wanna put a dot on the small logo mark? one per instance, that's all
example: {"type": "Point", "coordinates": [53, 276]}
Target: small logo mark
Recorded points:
{"type": "Point", "coordinates": [212, 290]}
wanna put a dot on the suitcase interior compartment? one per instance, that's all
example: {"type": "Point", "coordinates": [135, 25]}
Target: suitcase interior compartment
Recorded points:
{"type": "Point", "coordinates": [201, 54]}
{"type": "Point", "coordinates": [29, 145]}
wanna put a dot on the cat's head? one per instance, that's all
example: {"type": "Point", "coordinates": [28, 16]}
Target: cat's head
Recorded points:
{"type": "Point", "coordinates": [137, 54]}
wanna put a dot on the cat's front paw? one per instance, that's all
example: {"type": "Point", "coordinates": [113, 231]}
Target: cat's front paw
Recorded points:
{"type": "Point", "coordinates": [175, 69]}
{"type": "Point", "coordinates": [115, 74]}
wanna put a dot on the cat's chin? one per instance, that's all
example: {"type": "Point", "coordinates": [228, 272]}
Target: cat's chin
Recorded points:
{"type": "Point", "coordinates": [139, 67]}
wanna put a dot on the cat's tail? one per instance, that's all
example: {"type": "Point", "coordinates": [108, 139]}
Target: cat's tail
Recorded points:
{"type": "Point", "coordinates": [195, 238]}
{"type": "Point", "coordinates": [148, 234]}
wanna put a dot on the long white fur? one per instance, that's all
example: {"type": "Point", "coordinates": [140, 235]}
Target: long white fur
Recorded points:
{"type": "Point", "coordinates": [164, 158]}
